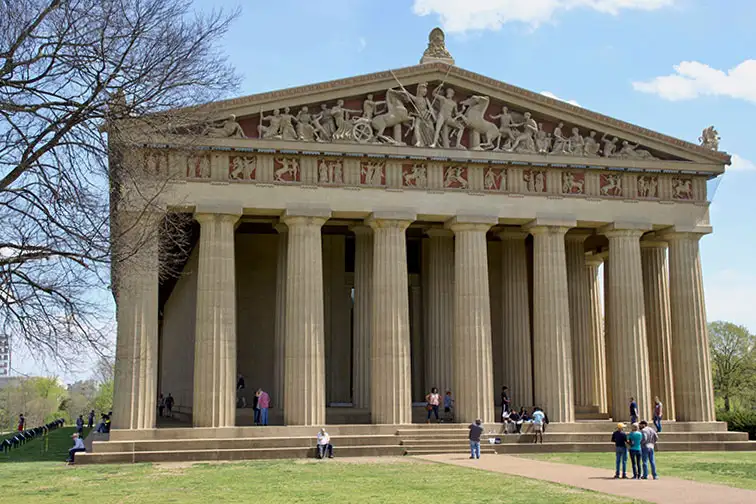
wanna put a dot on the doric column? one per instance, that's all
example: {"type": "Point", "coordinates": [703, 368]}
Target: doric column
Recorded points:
{"type": "Point", "coordinates": [280, 329]}
{"type": "Point", "coordinates": [304, 389]}
{"type": "Point", "coordinates": [363, 285]}
{"type": "Point", "coordinates": [517, 356]}
{"type": "Point", "coordinates": [552, 347]}
{"type": "Point", "coordinates": [626, 321]}
{"type": "Point", "coordinates": [583, 363]}
{"type": "Point", "coordinates": [607, 339]}
{"type": "Point", "coordinates": [694, 396]}
{"type": "Point", "coordinates": [390, 382]}
{"type": "Point", "coordinates": [439, 302]}
{"type": "Point", "coordinates": [597, 344]}
{"type": "Point", "coordinates": [215, 329]}
{"type": "Point", "coordinates": [473, 367]}
{"type": "Point", "coordinates": [136, 281]}
{"type": "Point", "coordinates": [658, 323]}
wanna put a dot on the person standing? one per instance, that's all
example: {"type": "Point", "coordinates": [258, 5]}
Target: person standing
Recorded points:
{"type": "Point", "coordinates": [161, 404]}
{"type": "Point", "coordinates": [619, 438]}
{"type": "Point", "coordinates": [448, 407]}
{"type": "Point", "coordinates": [504, 401]}
{"type": "Point", "coordinates": [432, 402]}
{"type": "Point", "coordinates": [538, 417]}
{"type": "Point", "coordinates": [648, 443]}
{"type": "Point", "coordinates": [476, 429]}
{"type": "Point", "coordinates": [263, 403]}
{"type": "Point", "coordinates": [657, 414]}
{"type": "Point", "coordinates": [80, 425]}
{"type": "Point", "coordinates": [240, 386]}
{"type": "Point", "coordinates": [634, 439]}
{"type": "Point", "coordinates": [633, 411]}
{"type": "Point", "coordinates": [90, 421]}
{"type": "Point", "coordinates": [169, 405]}
{"type": "Point", "coordinates": [324, 444]}
{"type": "Point", "coordinates": [21, 422]}
{"type": "Point", "coordinates": [77, 448]}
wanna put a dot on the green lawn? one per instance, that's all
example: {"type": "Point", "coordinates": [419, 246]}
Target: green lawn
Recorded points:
{"type": "Point", "coordinates": [55, 448]}
{"type": "Point", "coordinates": [737, 469]}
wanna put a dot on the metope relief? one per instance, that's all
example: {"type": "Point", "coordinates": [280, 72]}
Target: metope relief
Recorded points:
{"type": "Point", "coordinates": [535, 181]}
{"type": "Point", "coordinates": [242, 168]}
{"type": "Point", "coordinates": [494, 179]}
{"type": "Point", "coordinates": [682, 188]}
{"type": "Point", "coordinates": [198, 167]}
{"type": "Point", "coordinates": [330, 172]}
{"type": "Point", "coordinates": [455, 177]}
{"type": "Point", "coordinates": [373, 173]}
{"type": "Point", "coordinates": [156, 163]}
{"type": "Point", "coordinates": [286, 169]}
{"type": "Point", "coordinates": [414, 175]}
{"type": "Point", "coordinates": [648, 186]}
{"type": "Point", "coordinates": [573, 183]}
{"type": "Point", "coordinates": [610, 184]}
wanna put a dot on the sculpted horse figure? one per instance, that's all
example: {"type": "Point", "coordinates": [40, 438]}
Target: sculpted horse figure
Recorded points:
{"type": "Point", "coordinates": [474, 115]}
{"type": "Point", "coordinates": [396, 113]}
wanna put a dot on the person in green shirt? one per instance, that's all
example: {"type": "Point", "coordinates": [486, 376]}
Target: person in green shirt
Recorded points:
{"type": "Point", "coordinates": [634, 440]}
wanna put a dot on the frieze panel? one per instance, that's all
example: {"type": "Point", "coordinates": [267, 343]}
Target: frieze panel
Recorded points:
{"type": "Point", "coordinates": [610, 184]}
{"type": "Point", "coordinates": [535, 180]}
{"type": "Point", "coordinates": [573, 182]}
{"type": "Point", "coordinates": [198, 167]}
{"type": "Point", "coordinates": [648, 186]}
{"type": "Point", "coordinates": [373, 173]}
{"type": "Point", "coordinates": [330, 172]}
{"type": "Point", "coordinates": [414, 175]}
{"type": "Point", "coordinates": [242, 167]}
{"type": "Point", "coordinates": [495, 179]}
{"type": "Point", "coordinates": [682, 188]}
{"type": "Point", "coordinates": [456, 177]}
{"type": "Point", "coordinates": [286, 169]}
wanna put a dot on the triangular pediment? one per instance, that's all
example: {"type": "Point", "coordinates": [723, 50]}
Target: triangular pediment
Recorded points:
{"type": "Point", "coordinates": [441, 106]}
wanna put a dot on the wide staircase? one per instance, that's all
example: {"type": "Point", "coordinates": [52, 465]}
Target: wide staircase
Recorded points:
{"type": "Point", "coordinates": [249, 443]}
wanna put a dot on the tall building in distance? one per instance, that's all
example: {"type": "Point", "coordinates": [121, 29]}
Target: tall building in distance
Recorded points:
{"type": "Point", "coordinates": [5, 355]}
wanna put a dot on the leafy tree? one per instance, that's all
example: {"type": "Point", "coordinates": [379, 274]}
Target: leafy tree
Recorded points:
{"type": "Point", "coordinates": [733, 358]}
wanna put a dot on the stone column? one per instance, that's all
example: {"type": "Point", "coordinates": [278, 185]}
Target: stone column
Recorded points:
{"type": "Point", "coordinates": [583, 358]}
{"type": "Point", "coordinates": [626, 322]}
{"type": "Point", "coordinates": [473, 367]}
{"type": "Point", "coordinates": [658, 323]}
{"type": "Point", "coordinates": [607, 338]}
{"type": "Point", "coordinates": [517, 356]}
{"type": "Point", "coordinates": [136, 280]}
{"type": "Point", "coordinates": [362, 321]}
{"type": "Point", "coordinates": [280, 328]}
{"type": "Point", "coordinates": [215, 330]}
{"type": "Point", "coordinates": [552, 346]}
{"type": "Point", "coordinates": [694, 396]}
{"type": "Point", "coordinates": [390, 382]}
{"type": "Point", "coordinates": [439, 302]}
{"type": "Point", "coordinates": [596, 329]}
{"type": "Point", "coordinates": [304, 389]}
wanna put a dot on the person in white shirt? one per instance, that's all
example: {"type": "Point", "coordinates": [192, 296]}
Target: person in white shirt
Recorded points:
{"type": "Point", "coordinates": [324, 444]}
{"type": "Point", "coordinates": [77, 447]}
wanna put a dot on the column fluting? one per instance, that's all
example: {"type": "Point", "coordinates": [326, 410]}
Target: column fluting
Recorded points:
{"type": "Point", "coordinates": [583, 358]}
{"type": "Point", "coordinates": [694, 396]}
{"type": "Point", "coordinates": [658, 324]}
{"type": "Point", "coordinates": [439, 320]}
{"type": "Point", "coordinates": [515, 301]}
{"type": "Point", "coordinates": [363, 305]}
{"type": "Point", "coordinates": [473, 367]}
{"type": "Point", "coordinates": [279, 362]}
{"type": "Point", "coordinates": [390, 381]}
{"type": "Point", "coordinates": [626, 320]}
{"type": "Point", "coordinates": [597, 341]}
{"type": "Point", "coordinates": [552, 345]}
{"type": "Point", "coordinates": [215, 337]}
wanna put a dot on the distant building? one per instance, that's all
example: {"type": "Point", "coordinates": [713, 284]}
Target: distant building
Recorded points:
{"type": "Point", "coordinates": [5, 355]}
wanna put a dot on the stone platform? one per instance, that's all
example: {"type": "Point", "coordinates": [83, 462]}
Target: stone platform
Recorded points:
{"type": "Point", "coordinates": [275, 442]}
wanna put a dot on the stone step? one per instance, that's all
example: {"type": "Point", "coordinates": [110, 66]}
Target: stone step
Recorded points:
{"type": "Point", "coordinates": [442, 451]}
{"type": "Point", "coordinates": [557, 447]}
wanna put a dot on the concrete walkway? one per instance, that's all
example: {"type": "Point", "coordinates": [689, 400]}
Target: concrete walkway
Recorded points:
{"type": "Point", "coordinates": [663, 490]}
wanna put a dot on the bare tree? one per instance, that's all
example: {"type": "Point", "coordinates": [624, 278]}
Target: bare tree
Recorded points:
{"type": "Point", "coordinates": [80, 79]}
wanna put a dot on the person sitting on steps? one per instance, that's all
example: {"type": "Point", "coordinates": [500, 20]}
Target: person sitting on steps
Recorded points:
{"type": "Point", "coordinates": [324, 444]}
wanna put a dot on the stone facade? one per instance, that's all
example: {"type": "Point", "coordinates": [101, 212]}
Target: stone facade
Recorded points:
{"type": "Point", "coordinates": [355, 250]}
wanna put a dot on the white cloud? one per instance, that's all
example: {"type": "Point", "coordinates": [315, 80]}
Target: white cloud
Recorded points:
{"type": "Point", "coordinates": [740, 163]}
{"type": "Point", "coordinates": [552, 95]}
{"type": "Point", "coordinates": [693, 79]}
{"type": "Point", "coordinates": [462, 15]}
{"type": "Point", "coordinates": [362, 44]}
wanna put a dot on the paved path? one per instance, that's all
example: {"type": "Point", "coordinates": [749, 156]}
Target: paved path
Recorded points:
{"type": "Point", "coordinates": [663, 490]}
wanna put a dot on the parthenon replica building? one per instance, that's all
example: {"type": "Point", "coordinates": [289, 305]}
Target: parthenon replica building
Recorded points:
{"type": "Point", "coordinates": [355, 243]}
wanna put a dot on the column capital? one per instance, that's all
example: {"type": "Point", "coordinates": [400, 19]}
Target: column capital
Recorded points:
{"type": "Point", "coordinates": [218, 208]}
{"type": "Point", "coordinates": [654, 243]}
{"type": "Point", "coordinates": [396, 218]}
{"type": "Point", "coordinates": [470, 223]}
{"type": "Point", "coordinates": [681, 235]}
{"type": "Point", "coordinates": [578, 235]}
{"type": "Point", "coordinates": [361, 229]}
{"type": "Point", "coordinates": [558, 221]}
{"type": "Point", "coordinates": [594, 259]}
{"type": "Point", "coordinates": [204, 218]}
{"type": "Point", "coordinates": [437, 232]}
{"type": "Point", "coordinates": [543, 230]}
{"type": "Point", "coordinates": [512, 234]}
{"type": "Point", "coordinates": [619, 228]}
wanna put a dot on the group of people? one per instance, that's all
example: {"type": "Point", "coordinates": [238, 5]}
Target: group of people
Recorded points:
{"type": "Point", "coordinates": [165, 405]}
{"type": "Point", "coordinates": [640, 442]}
{"type": "Point", "coordinates": [260, 401]}
{"type": "Point", "coordinates": [433, 404]}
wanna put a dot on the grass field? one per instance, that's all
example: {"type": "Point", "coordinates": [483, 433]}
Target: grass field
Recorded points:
{"type": "Point", "coordinates": [737, 469]}
{"type": "Point", "coordinates": [37, 450]}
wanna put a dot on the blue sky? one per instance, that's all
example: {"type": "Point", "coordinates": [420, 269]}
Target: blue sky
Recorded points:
{"type": "Point", "coordinates": [675, 66]}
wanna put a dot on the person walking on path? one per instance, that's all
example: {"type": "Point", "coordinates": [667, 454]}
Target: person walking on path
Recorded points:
{"type": "Point", "coordinates": [633, 411]}
{"type": "Point", "coordinates": [504, 401]}
{"type": "Point", "coordinates": [476, 429]}
{"type": "Point", "coordinates": [657, 414]}
{"type": "Point", "coordinates": [263, 403]}
{"type": "Point", "coordinates": [648, 443]}
{"type": "Point", "coordinates": [538, 417]}
{"type": "Point", "coordinates": [634, 439]}
{"type": "Point", "coordinates": [448, 407]}
{"type": "Point", "coordinates": [90, 421]}
{"type": "Point", "coordinates": [77, 448]}
{"type": "Point", "coordinates": [619, 438]}
{"type": "Point", "coordinates": [432, 402]}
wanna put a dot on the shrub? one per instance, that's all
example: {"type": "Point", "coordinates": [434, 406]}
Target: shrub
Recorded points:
{"type": "Point", "coordinates": [740, 421]}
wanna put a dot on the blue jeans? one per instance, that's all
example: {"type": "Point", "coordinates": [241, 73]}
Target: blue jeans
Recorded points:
{"type": "Point", "coordinates": [648, 456]}
{"type": "Point", "coordinates": [633, 419]}
{"type": "Point", "coordinates": [657, 423]}
{"type": "Point", "coordinates": [475, 449]}
{"type": "Point", "coordinates": [263, 416]}
{"type": "Point", "coordinates": [635, 459]}
{"type": "Point", "coordinates": [257, 416]}
{"type": "Point", "coordinates": [325, 449]}
{"type": "Point", "coordinates": [621, 456]}
{"type": "Point", "coordinates": [433, 410]}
